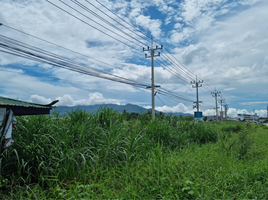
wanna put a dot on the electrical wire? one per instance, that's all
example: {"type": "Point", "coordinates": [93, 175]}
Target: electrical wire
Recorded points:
{"type": "Point", "coordinates": [206, 86]}
{"type": "Point", "coordinates": [171, 63]}
{"type": "Point", "coordinates": [107, 64]}
{"type": "Point", "coordinates": [39, 55]}
{"type": "Point", "coordinates": [142, 37]}
{"type": "Point", "coordinates": [93, 26]}
{"type": "Point", "coordinates": [104, 20]}
{"type": "Point", "coordinates": [181, 69]}
{"type": "Point", "coordinates": [54, 59]}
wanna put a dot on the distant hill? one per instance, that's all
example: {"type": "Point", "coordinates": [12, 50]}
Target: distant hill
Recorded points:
{"type": "Point", "coordinates": [120, 108]}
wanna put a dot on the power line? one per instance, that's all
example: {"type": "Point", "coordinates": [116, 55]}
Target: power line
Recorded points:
{"type": "Point", "coordinates": [43, 76]}
{"type": "Point", "coordinates": [164, 103]}
{"type": "Point", "coordinates": [110, 35]}
{"type": "Point", "coordinates": [185, 70]}
{"type": "Point", "coordinates": [179, 71]}
{"type": "Point", "coordinates": [169, 100]}
{"type": "Point", "coordinates": [71, 50]}
{"type": "Point", "coordinates": [93, 26]}
{"type": "Point", "coordinates": [169, 70]}
{"type": "Point", "coordinates": [39, 55]}
{"type": "Point", "coordinates": [191, 74]}
{"type": "Point", "coordinates": [53, 59]}
{"type": "Point", "coordinates": [101, 24]}
{"type": "Point", "coordinates": [104, 20]}
{"type": "Point", "coordinates": [147, 39]}
{"type": "Point", "coordinates": [126, 22]}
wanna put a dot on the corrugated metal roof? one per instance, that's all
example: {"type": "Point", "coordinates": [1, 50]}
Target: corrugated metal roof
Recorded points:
{"type": "Point", "coordinates": [14, 102]}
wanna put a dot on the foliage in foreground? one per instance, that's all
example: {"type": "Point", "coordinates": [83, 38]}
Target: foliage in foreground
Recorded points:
{"type": "Point", "coordinates": [104, 156]}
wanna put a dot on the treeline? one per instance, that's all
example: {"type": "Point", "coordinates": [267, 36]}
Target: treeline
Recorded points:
{"type": "Point", "coordinates": [160, 115]}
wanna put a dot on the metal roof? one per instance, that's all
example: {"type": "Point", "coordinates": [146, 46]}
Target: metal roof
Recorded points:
{"type": "Point", "coordinates": [4, 101]}
{"type": "Point", "coordinates": [20, 108]}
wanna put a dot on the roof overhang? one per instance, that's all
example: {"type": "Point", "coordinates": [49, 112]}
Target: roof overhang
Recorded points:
{"type": "Point", "coordinates": [26, 108]}
{"type": "Point", "coordinates": [20, 110]}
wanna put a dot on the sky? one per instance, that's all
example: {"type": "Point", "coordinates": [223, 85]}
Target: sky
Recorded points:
{"type": "Point", "coordinates": [223, 42]}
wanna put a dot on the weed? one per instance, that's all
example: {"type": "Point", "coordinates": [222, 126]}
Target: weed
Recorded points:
{"type": "Point", "coordinates": [103, 155]}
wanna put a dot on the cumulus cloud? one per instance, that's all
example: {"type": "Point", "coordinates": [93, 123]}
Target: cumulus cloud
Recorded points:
{"type": "Point", "coordinates": [67, 100]}
{"type": "Point", "coordinates": [224, 42]}
{"type": "Point", "coordinates": [153, 25]}
{"type": "Point", "coordinates": [39, 99]}
{"type": "Point", "coordinates": [232, 53]}
{"type": "Point", "coordinates": [232, 112]}
{"type": "Point", "coordinates": [194, 53]}
{"type": "Point", "coordinates": [229, 89]}
{"type": "Point", "coordinates": [174, 109]}
{"type": "Point", "coordinates": [254, 103]}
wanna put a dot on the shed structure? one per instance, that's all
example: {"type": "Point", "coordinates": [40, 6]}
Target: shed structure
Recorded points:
{"type": "Point", "coordinates": [9, 109]}
{"type": "Point", "coordinates": [25, 108]}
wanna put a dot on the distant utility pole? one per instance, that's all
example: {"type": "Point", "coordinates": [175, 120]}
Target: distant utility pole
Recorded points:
{"type": "Point", "coordinates": [197, 84]}
{"type": "Point", "coordinates": [225, 110]}
{"type": "Point", "coordinates": [152, 55]}
{"type": "Point", "coordinates": [267, 111]}
{"type": "Point", "coordinates": [216, 94]}
{"type": "Point", "coordinates": [221, 101]}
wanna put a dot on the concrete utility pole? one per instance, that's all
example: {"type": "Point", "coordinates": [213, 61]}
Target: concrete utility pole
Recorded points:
{"type": "Point", "coordinates": [225, 110]}
{"type": "Point", "coordinates": [221, 101]}
{"type": "Point", "coordinates": [216, 94]}
{"type": "Point", "coordinates": [152, 55]}
{"type": "Point", "coordinates": [197, 84]}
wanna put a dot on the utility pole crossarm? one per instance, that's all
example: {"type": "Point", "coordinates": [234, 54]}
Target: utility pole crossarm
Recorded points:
{"type": "Point", "coordinates": [221, 101]}
{"type": "Point", "coordinates": [196, 84]}
{"type": "Point", "coordinates": [226, 109]}
{"type": "Point", "coordinates": [152, 55]}
{"type": "Point", "coordinates": [216, 94]}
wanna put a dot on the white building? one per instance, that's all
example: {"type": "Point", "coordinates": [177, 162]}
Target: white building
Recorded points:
{"type": "Point", "coordinates": [247, 117]}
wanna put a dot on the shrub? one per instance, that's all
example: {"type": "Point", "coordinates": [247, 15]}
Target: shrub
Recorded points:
{"type": "Point", "coordinates": [234, 129]}
{"type": "Point", "coordinates": [51, 150]}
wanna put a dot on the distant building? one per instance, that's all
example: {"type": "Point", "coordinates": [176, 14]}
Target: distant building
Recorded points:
{"type": "Point", "coordinates": [247, 117]}
{"type": "Point", "coordinates": [213, 118]}
{"type": "Point", "coordinates": [262, 119]}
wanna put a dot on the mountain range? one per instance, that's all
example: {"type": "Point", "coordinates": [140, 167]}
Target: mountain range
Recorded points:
{"type": "Point", "coordinates": [120, 108]}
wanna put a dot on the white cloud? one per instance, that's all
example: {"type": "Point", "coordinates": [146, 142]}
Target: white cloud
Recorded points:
{"type": "Point", "coordinates": [150, 24]}
{"type": "Point", "coordinates": [229, 89]}
{"type": "Point", "coordinates": [224, 45]}
{"type": "Point", "coordinates": [254, 103]}
{"type": "Point", "coordinates": [174, 109]}
{"type": "Point", "coordinates": [39, 99]}
{"type": "Point", "coordinates": [178, 26]}
{"type": "Point", "coordinates": [232, 112]}
{"type": "Point", "coordinates": [209, 112]}
{"type": "Point", "coordinates": [194, 53]}
{"type": "Point", "coordinates": [17, 83]}
{"type": "Point", "coordinates": [67, 100]}
{"type": "Point", "coordinates": [232, 53]}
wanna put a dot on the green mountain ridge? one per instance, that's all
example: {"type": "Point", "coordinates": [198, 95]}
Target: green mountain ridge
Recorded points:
{"type": "Point", "coordinates": [120, 108]}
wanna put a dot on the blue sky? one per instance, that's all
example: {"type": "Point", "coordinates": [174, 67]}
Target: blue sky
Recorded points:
{"type": "Point", "coordinates": [224, 42]}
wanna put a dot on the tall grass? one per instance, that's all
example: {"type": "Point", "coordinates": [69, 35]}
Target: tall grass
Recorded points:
{"type": "Point", "coordinates": [104, 156]}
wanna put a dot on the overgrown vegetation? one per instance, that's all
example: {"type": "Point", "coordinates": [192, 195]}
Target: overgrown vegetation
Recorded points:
{"type": "Point", "coordinates": [113, 155]}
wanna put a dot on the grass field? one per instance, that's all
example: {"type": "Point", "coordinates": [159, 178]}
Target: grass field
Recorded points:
{"type": "Point", "coordinates": [103, 155]}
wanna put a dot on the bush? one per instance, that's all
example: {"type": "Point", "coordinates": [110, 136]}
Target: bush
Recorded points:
{"type": "Point", "coordinates": [235, 129]}
{"type": "Point", "coordinates": [50, 150]}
